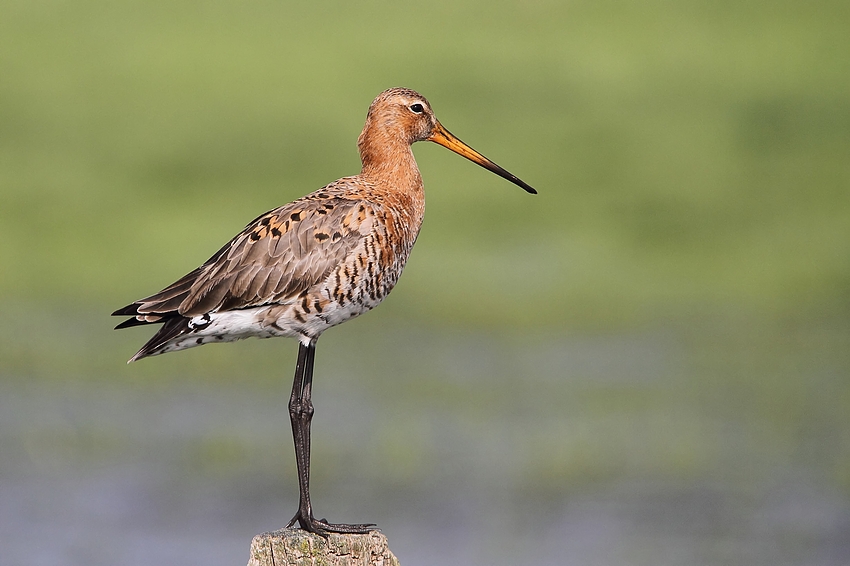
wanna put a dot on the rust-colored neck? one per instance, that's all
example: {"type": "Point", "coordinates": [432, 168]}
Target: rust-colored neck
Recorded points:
{"type": "Point", "coordinates": [386, 155]}
{"type": "Point", "coordinates": [391, 170]}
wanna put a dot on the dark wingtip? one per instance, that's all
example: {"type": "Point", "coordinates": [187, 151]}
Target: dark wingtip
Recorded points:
{"type": "Point", "coordinates": [130, 322]}
{"type": "Point", "coordinates": [129, 310]}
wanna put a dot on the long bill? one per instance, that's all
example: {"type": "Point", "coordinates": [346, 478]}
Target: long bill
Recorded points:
{"type": "Point", "coordinates": [448, 140]}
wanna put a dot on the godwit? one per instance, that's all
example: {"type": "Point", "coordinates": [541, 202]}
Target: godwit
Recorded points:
{"type": "Point", "coordinates": [311, 264]}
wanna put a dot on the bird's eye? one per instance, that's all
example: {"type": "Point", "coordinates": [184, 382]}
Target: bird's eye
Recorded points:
{"type": "Point", "coordinates": [417, 108]}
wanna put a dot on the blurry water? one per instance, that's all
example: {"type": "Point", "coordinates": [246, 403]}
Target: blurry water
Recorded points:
{"type": "Point", "coordinates": [644, 448]}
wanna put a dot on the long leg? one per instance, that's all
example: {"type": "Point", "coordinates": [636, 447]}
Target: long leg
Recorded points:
{"type": "Point", "coordinates": [300, 413]}
{"type": "Point", "coordinates": [300, 416]}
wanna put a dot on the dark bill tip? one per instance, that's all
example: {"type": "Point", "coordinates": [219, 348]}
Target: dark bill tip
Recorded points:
{"type": "Point", "coordinates": [448, 140]}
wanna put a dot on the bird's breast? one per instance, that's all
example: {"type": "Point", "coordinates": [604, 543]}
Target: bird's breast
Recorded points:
{"type": "Point", "coordinates": [361, 280]}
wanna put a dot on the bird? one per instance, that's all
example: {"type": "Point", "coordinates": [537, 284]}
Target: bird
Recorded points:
{"type": "Point", "coordinates": [309, 265]}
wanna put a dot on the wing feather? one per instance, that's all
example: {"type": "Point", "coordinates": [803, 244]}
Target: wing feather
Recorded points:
{"type": "Point", "coordinates": [277, 256]}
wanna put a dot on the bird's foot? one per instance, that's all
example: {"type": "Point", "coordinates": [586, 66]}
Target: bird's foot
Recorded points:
{"type": "Point", "coordinates": [323, 528]}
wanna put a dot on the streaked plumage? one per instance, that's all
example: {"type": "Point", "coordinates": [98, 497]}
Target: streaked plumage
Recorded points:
{"type": "Point", "coordinates": [313, 263]}
{"type": "Point", "coordinates": [294, 271]}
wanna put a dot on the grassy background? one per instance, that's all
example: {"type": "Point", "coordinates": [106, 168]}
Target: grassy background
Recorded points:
{"type": "Point", "coordinates": [691, 159]}
{"type": "Point", "coordinates": [687, 154]}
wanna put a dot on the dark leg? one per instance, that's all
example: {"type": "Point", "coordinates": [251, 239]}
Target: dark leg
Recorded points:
{"type": "Point", "coordinates": [300, 415]}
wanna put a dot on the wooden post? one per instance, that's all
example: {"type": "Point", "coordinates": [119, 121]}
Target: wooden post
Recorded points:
{"type": "Point", "coordinates": [294, 547]}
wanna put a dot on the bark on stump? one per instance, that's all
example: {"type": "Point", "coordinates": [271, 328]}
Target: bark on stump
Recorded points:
{"type": "Point", "coordinates": [294, 547]}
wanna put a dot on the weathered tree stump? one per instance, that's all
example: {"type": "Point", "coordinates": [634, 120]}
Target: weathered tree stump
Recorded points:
{"type": "Point", "coordinates": [294, 547]}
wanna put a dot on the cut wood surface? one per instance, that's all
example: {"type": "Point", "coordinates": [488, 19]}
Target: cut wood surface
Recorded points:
{"type": "Point", "coordinates": [294, 547]}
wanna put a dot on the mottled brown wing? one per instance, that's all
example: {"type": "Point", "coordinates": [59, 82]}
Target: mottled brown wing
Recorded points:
{"type": "Point", "coordinates": [276, 257]}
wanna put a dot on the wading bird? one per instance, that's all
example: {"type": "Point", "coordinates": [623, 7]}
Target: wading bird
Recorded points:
{"type": "Point", "coordinates": [311, 264]}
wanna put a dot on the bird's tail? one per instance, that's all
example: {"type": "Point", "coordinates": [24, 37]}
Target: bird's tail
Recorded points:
{"type": "Point", "coordinates": [172, 328]}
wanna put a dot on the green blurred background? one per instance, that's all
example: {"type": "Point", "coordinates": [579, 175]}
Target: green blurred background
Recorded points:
{"type": "Point", "coordinates": [647, 363]}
